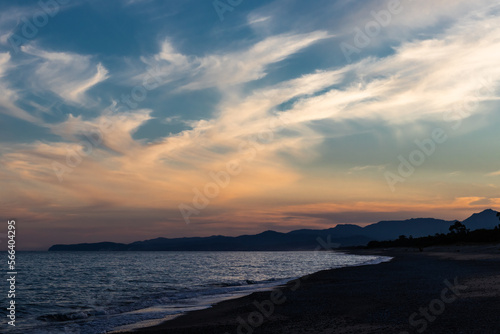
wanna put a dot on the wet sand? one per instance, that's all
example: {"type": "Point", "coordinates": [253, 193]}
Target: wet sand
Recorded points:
{"type": "Point", "coordinates": [441, 290]}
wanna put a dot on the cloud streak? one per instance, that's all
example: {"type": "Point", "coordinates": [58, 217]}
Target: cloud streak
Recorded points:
{"type": "Point", "coordinates": [66, 74]}
{"type": "Point", "coordinates": [232, 68]}
{"type": "Point", "coordinates": [9, 96]}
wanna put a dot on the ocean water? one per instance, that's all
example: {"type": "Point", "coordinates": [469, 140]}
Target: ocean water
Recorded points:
{"type": "Point", "coordinates": [97, 292]}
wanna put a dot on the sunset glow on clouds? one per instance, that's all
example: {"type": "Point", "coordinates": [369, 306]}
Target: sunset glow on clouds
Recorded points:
{"type": "Point", "coordinates": [255, 122]}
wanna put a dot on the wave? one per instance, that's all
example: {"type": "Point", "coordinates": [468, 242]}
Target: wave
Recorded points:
{"type": "Point", "coordinates": [242, 283]}
{"type": "Point", "coordinates": [378, 260]}
{"type": "Point", "coordinates": [61, 317]}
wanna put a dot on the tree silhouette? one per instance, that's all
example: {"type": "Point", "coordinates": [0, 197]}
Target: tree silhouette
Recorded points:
{"type": "Point", "coordinates": [458, 228]}
{"type": "Point", "coordinates": [459, 233]}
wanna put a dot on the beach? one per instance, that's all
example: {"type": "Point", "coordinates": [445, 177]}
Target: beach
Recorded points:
{"type": "Point", "coordinates": [440, 290]}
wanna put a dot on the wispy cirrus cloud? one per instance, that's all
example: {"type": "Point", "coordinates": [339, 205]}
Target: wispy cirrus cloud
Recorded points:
{"type": "Point", "coordinates": [9, 95]}
{"type": "Point", "coordinates": [230, 68]}
{"type": "Point", "coordinates": [9, 19]}
{"type": "Point", "coordinates": [66, 74]}
{"type": "Point", "coordinates": [421, 79]}
{"type": "Point", "coordinates": [115, 131]}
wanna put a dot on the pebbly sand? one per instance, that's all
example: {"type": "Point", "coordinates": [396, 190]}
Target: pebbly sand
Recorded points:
{"type": "Point", "coordinates": [441, 290]}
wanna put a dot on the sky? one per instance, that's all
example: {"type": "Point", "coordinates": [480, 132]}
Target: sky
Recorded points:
{"type": "Point", "coordinates": [128, 120]}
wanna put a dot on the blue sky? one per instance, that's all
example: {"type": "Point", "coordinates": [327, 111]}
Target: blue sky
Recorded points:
{"type": "Point", "coordinates": [114, 111]}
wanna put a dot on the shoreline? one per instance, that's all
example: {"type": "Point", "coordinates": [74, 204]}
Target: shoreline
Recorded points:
{"type": "Point", "coordinates": [362, 299]}
{"type": "Point", "coordinates": [132, 328]}
{"type": "Point", "coordinates": [146, 324]}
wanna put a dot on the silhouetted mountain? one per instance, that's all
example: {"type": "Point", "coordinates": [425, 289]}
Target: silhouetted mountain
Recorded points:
{"type": "Point", "coordinates": [487, 219]}
{"type": "Point", "coordinates": [266, 241]}
{"type": "Point", "coordinates": [416, 227]}
{"type": "Point", "coordinates": [344, 235]}
{"type": "Point", "coordinates": [458, 234]}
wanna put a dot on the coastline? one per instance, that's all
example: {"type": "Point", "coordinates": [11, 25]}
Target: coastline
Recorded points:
{"type": "Point", "coordinates": [254, 288]}
{"type": "Point", "coordinates": [383, 298]}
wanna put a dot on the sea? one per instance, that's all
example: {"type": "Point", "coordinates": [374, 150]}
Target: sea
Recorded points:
{"type": "Point", "coordinates": [102, 292]}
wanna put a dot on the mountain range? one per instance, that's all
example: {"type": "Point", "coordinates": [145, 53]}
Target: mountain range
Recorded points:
{"type": "Point", "coordinates": [342, 235]}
